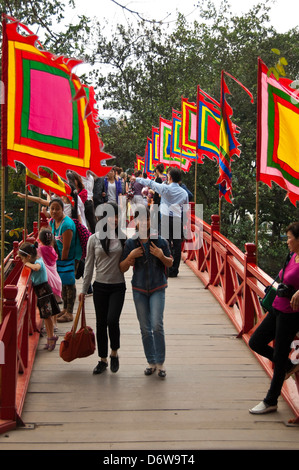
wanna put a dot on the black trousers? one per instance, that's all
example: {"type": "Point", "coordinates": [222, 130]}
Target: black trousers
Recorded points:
{"type": "Point", "coordinates": [108, 301]}
{"type": "Point", "coordinates": [89, 214]}
{"type": "Point", "coordinates": [281, 327]}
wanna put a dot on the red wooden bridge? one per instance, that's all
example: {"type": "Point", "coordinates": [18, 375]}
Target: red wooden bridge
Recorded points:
{"type": "Point", "coordinates": [213, 377]}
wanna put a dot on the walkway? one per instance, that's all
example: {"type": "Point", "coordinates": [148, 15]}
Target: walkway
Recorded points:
{"type": "Point", "coordinates": [212, 380]}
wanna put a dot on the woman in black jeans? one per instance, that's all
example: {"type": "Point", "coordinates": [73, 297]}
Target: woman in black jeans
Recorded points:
{"type": "Point", "coordinates": [281, 325]}
{"type": "Point", "coordinates": [104, 250]}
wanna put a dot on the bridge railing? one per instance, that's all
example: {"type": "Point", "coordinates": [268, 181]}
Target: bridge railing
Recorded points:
{"type": "Point", "coordinates": [19, 336]}
{"type": "Point", "coordinates": [238, 284]}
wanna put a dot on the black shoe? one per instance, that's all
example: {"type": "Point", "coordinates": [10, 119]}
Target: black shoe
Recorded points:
{"type": "Point", "coordinates": [162, 373]}
{"type": "Point", "coordinates": [100, 367]}
{"type": "Point", "coordinates": [114, 363]}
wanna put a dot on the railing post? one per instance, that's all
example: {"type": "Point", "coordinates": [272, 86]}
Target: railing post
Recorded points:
{"type": "Point", "coordinates": [9, 368]}
{"type": "Point", "coordinates": [215, 227]}
{"type": "Point", "coordinates": [15, 249]}
{"type": "Point", "coordinates": [43, 220]}
{"type": "Point", "coordinates": [35, 229]}
{"type": "Point", "coordinates": [248, 305]}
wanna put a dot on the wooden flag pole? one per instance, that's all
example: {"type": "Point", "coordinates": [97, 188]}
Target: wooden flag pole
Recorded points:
{"type": "Point", "coordinates": [2, 234]}
{"type": "Point", "coordinates": [39, 210]}
{"type": "Point", "coordinates": [195, 180]}
{"type": "Point", "coordinates": [26, 212]}
{"type": "Point", "coordinates": [256, 219]}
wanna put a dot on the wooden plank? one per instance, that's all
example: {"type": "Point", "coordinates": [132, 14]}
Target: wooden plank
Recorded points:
{"type": "Point", "coordinates": [212, 380]}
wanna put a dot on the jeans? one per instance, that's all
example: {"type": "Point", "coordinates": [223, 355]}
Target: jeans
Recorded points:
{"type": "Point", "coordinates": [108, 301]}
{"type": "Point", "coordinates": [149, 309]}
{"type": "Point", "coordinates": [281, 327]}
{"type": "Point", "coordinates": [171, 229]}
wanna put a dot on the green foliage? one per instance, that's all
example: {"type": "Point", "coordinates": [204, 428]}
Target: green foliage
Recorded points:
{"type": "Point", "coordinates": [151, 68]}
{"type": "Point", "coordinates": [278, 69]}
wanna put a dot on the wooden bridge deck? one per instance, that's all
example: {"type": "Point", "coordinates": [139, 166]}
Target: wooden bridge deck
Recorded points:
{"type": "Point", "coordinates": [212, 380]}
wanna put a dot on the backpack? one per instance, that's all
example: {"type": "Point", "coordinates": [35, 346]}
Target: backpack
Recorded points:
{"type": "Point", "coordinates": [83, 234]}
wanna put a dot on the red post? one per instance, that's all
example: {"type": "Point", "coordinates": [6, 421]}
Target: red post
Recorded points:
{"type": "Point", "coordinates": [248, 305]}
{"type": "Point", "coordinates": [9, 368]}
{"type": "Point", "coordinates": [215, 227]}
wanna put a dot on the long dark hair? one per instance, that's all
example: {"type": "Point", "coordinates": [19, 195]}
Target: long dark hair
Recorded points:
{"type": "Point", "coordinates": [119, 234]}
{"type": "Point", "coordinates": [29, 249]}
{"type": "Point", "coordinates": [47, 238]}
{"type": "Point", "coordinates": [294, 229]}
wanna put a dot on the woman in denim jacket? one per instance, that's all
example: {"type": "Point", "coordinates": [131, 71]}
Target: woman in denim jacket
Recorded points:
{"type": "Point", "coordinates": [149, 258]}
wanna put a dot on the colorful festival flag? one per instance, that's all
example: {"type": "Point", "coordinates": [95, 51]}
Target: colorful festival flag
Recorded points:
{"type": "Point", "coordinates": [139, 164]}
{"type": "Point", "coordinates": [228, 144]}
{"type": "Point", "coordinates": [155, 146]}
{"type": "Point", "coordinates": [165, 130]}
{"type": "Point", "coordinates": [47, 118]}
{"type": "Point", "coordinates": [189, 121]}
{"type": "Point", "coordinates": [48, 182]}
{"type": "Point", "coordinates": [176, 152]}
{"type": "Point", "coordinates": [164, 140]}
{"type": "Point", "coordinates": [148, 158]}
{"type": "Point", "coordinates": [277, 133]}
{"type": "Point", "coordinates": [208, 126]}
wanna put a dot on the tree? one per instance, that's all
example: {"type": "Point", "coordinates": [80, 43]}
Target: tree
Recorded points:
{"type": "Point", "coordinates": [151, 68]}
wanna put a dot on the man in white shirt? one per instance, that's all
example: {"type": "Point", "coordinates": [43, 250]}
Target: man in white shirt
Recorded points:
{"type": "Point", "coordinates": [174, 201]}
{"type": "Point", "coordinates": [88, 182]}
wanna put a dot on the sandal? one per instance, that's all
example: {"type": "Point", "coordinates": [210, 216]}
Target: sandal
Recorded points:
{"type": "Point", "coordinates": [52, 343]}
{"type": "Point", "coordinates": [162, 373]}
{"type": "Point", "coordinates": [65, 317]}
{"type": "Point", "coordinates": [149, 370]}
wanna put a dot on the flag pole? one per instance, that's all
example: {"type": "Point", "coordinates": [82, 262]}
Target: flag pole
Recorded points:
{"type": "Point", "coordinates": [258, 147]}
{"type": "Point", "coordinates": [2, 232]}
{"type": "Point", "coordinates": [195, 179]}
{"type": "Point", "coordinates": [3, 125]}
{"type": "Point", "coordinates": [256, 219]}
{"type": "Point", "coordinates": [39, 210]}
{"type": "Point", "coordinates": [26, 212]}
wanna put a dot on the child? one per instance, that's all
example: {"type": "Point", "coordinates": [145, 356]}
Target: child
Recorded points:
{"type": "Point", "coordinates": [46, 301]}
{"type": "Point", "coordinates": [47, 252]}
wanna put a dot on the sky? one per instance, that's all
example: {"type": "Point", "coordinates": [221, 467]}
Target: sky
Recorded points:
{"type": "Point", "coordinates": [284, 13]}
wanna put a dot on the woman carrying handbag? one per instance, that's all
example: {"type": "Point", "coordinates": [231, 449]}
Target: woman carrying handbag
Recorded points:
{"type": "Point", "coordinates": [104, 251]}
{"type": "Point", "coordinates": [281, 324]}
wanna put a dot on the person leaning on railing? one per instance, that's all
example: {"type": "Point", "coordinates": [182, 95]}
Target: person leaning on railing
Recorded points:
{"type": "Point", "coordinates": [69, 250]}
{"type": "Point", "coordinates": [281, 324]}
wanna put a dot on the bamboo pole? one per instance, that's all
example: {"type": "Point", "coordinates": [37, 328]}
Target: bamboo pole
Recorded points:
{"type": "Point", "coordinates": [256, 219]}
{"type": "Point", "coordinates": [39, 210]}
{"type": "Point", "coordinates": [195, 179]}
{"type": "Point", "coordinates": [2, 235]}
{"type": "Point", "coordinates": [26, 212]}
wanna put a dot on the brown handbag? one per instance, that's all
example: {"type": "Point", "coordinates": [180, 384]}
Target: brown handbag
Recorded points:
{"type": "Point", "coordinates": [79, 343]}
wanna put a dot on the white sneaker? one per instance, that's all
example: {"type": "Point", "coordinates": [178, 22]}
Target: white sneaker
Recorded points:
{"type": "Point", "coordinates": [262, 408]}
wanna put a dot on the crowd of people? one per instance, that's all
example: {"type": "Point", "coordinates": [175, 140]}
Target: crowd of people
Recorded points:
{"type": "Point", "coordinates": [95, 209]}
{"type": "Point", "coordinates": [154, 252]}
